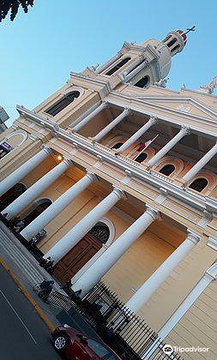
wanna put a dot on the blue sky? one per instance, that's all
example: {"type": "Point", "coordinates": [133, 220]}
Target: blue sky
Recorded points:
{"type": "Point", "coordinates": [39, 49]}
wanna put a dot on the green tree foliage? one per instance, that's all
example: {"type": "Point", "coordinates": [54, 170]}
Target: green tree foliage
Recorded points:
{"type": "Point", "coordinates": [12, 7]}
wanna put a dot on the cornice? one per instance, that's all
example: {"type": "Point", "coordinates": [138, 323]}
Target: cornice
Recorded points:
{"type": "Point", "coordinates": [150, 100]}
{"type": "Point", "coordinates": [196, 201]}
{"type": "Point", "coordinates": [198, 92]}
{"type": "Point", "coordinates": [135, 101]}
{"type": "Point", "coordinates": [195, 102]}
{"type": "Point", "coordinates": [141, 48]}
{"type": "Point", "coordinates": [93, 80]}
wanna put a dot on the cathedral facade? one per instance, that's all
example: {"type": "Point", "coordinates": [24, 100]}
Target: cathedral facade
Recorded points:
{"type": "Point", "coordinates": [121, 173]}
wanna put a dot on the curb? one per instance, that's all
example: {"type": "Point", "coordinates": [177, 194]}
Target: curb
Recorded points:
{"type": "Point", "coordinates": [27, 296]}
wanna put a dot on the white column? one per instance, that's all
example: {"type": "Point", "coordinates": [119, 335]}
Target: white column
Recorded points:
{"type": "Point", "coordinates": [210, 275]}
{"type": "Point", "coordinates": [111, 125]}
{"type": "Point", "coordinates": [183, 132]}
{"type": "Point", "coordinates": [137, 135]}
{"type": "Point", "coordinates": [68, 241]}
{"type": "Point", "coordinates": [23, 170]}
{"type": "Point", "coordinates": [89, 117]}
{"type": "Point", "coordinates": [200, 164]}
{"type": "Point", "coordinates": [57, 206]}
{"type": "Point", "coordinates": [138, 300]}
{"type": "Point", "coordinates": [114, 252]}
{"type": "Point", "coordinates": [29, 195]}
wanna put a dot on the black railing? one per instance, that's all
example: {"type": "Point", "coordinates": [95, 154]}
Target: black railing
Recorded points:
{"type": "Point", "coordinates": [131, 333]}
{"type": "Point", "coordinates": [130, 328]}
{"type": "Point", "coordinates": [120, 328]}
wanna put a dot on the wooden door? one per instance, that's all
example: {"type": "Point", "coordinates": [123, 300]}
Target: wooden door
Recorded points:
{"type": "Point", "coordinates": [76, 258]}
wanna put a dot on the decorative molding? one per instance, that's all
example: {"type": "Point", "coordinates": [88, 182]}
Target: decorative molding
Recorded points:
{"type": "Point", "coordinates": [137, 101]}
{"type": "Point", "coordinates": [95, 80]}
{"type": "Point", "coordinates": [127, 178]}
{"type": "Point", "coordinates": [183, 108]}
{"type": "Point", "coordinates": [33, 137]}
{"type": "Point", "coordinates": [18, 132]}
{"type": "Point", "coordinates": [70, 89]}
{"type": "Point", "coordinates": [121, 193]}
{"type": "Point", "coordinates": [196, 201]}
{"type": "Point", "coordinates": [162, 197]}
{"type": "Point", "coordinates": [182, 100]}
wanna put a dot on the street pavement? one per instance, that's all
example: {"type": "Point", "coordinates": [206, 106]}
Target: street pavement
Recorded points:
{"type": "Point", "coordinates": [23, 334]}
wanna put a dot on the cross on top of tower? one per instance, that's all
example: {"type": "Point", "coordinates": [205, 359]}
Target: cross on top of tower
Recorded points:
{"type": "Point", "coordinates": [193, 28]}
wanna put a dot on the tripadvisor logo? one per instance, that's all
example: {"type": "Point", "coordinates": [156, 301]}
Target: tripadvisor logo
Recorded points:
{"type": "Point", "coordinates": [168, 349]}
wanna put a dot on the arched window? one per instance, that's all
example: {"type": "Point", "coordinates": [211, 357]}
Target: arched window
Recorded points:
{"type": "Point", "coordinates": [62, 103]}
{"type": "Point", "coordinates": [199, 184]}
{"type": "Point", "coordinates": [100, 232]}
{"type": "Point", "coordinates": [38, 208]}
{"type": "Point", "coordinates": [167, 169]}
{"type": "Point", "coordinates": [140, 158]}
{"type": "Point", "coordinates": [171, 42]}
{"type": "Point", "coordinates": [117, 146]}
{"type": "Point", "coordinates": [143, 82]}
{"type": "Point", "coordinates": [118, 66]}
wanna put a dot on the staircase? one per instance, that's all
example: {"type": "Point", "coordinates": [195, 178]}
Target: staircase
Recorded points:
{"type": "Point", "coordinates": [22, 259]}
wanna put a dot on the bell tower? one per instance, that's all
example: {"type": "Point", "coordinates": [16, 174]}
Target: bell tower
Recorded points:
{"type": "Point", "coordinates": [144, 64]}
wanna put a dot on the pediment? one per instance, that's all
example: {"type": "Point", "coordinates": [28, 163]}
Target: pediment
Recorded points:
{"type": "Point", "coordinates": [182, 105]}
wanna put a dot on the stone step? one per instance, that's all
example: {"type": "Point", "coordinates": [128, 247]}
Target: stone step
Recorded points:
{"type": "Point", "coordinates": [25, 261]}
{"type": "Point", "coordinates": [24, 265]}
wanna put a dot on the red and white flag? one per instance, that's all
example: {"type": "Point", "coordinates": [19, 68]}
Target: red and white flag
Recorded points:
{"type": "Point", "coordinates": [144, 146]}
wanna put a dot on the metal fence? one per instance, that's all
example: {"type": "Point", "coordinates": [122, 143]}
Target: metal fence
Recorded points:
{"type": "Point", "coordinates": [130, 329]}
{"type": "Point", "coordinates": [120, 328]}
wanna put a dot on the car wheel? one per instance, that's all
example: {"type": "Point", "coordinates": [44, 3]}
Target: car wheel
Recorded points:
{"type": "Point", "coordinates": [60, 342]}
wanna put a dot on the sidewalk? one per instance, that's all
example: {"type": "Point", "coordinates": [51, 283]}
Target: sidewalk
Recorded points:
{"type": "Point", "coordinates": [26, 272]}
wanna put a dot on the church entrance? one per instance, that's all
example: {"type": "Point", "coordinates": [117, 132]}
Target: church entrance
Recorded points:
{"type": "Point", "coordinates": [81, 253]}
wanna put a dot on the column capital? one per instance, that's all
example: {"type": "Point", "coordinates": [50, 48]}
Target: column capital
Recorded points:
{"type": "Point", "coordinates": [141, 56]}
{"type": "Point", "coordinates": [153, 212]}
{"type": "Point", "coordinates": [127, 111]}
{"type": "Point", "coordinates": [185, 130]}
{"type": "Point", "coordinates": [91, 175]}
{"type": "Point", "coordinates": [119, 192]}
{"type": "Point", "coordinates": [68, 161]}
{"type": "Point", "coordinates": [195, 238]}
{"type": "Point", "coordinates": [104, 104]}
{"type": "Point", "coordinates": [212, 271]}
{"type": "Point", "coordinates": [46, 149]}
{"type": "Point", "coordinates": [153, 119]}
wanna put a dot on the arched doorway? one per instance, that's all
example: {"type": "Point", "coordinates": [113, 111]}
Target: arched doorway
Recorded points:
{"type": "Point", "coordinates": [11, 195]}
{"type": "Point", "coordinates": [38, 208]}
{"type": "Point", "coordinates": [81, 253]}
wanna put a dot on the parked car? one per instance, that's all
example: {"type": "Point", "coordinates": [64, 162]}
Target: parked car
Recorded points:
{"type": "Point", "coordinates": [77, 346]}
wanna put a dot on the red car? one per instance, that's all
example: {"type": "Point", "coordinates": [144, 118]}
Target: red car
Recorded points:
{"type": "Point", "coordinates": [77, 346]}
